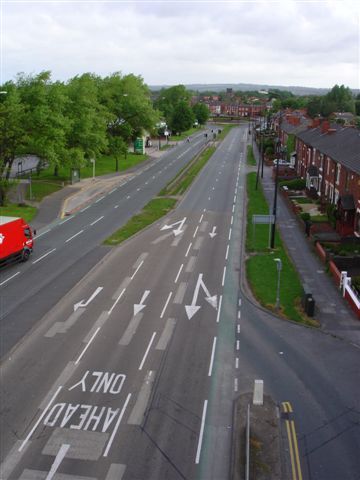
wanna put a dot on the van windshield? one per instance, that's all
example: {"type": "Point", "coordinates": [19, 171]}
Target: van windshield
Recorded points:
{"type": "Point", "coordinates": [27, 232]}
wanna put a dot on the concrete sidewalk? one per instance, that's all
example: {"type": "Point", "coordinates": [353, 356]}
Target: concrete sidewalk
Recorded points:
{"type": "Point", "coordinates": [331, 310]}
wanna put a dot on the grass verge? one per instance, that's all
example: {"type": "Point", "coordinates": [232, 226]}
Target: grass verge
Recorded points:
{"type": "Point", "coordinates": [250, 156]}
{"type": "Point", "coordinates": [261, 268]}
{"type": "Point", "coordinates": [24, 211]}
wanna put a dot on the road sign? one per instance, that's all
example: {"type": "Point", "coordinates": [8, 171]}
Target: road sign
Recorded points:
{"type": "Point", "coordinates": [263, 219]}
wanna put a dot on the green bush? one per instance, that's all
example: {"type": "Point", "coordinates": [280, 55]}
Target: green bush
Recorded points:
{"type": "Point", "coordinates": [305, 216]}
{"type": "Point", "coordinates": [294, 184]}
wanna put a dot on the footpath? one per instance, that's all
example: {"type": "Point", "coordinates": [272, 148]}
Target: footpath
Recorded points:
{"type": "Point", "coordinates": [331, 310]}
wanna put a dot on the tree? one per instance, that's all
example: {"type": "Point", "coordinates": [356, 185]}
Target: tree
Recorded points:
{"type": "Point", "coordinates": [201, 113]}
{"type": "Point", "coordinates": [169, 99]}
{"type": "Point", "coordinates": [117, 147]}
{"type": "Point", "coordinates": [182, 118]}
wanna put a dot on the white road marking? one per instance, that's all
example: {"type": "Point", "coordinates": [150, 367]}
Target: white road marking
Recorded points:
{"type": "Point", "coordinates": [66, 220]}
{"type": "Point", "coordinates": [187, 251]}
{"type": "Point", "coordinates": [40, 418]}
{"type": "Point", "coordinates": [196, 230]}
{"type": "Point", "coordinates": [45, 255]}
{"type": "Point", "coordinates": [147, 351]}
{"type": "Point", "coordinates": [133, 275]}
{"type": "Point", "coordinates": [76, 234]}
{"type": "Point", "coordinates": [99, 199]}
{"type": "Point", "coordinates": [12, 276]}
{"type": "Point", "coordinates": [212, 357]}
{"type": "Point", "coordinates": [112, 191]}
{"type": "Point", "coordinates": [198, 452]}
{"type": "Point", "coordinates": [238, 328]}
{"type": "Point", "coordinates": [236, 385]}
{"type": "Point", "coordinates": [166, 304]}
{"type": "Point", "coordinates": [201, 218]}
{"type": "Point", "coordinates": [239, 302]}
{"type": "Point", "coordinates": [233, 208]}
{"type": "Point", "coordinates": [223, 278]}
{"type": "Point", "coordinates": [43, 233]}
{"type": "Point", "coordinates": [237, 344]}
{"type": "Point", "coordinates": [87, 346]}
{"type": "Point", "coordinates": [116, 206]}
{"type": "Point", "coordinates": [237, 362]}
{"type": "Point", "coordinates": [230, 233]}
{"type": "Point", "coordinates": [58, 459]}
{"type": "Point", "coordinates": [209, 198]}
{"type": "Point", "coordinates": [177, 276]}
{"type": "Point", "coordinates": [219, 309]}
{"type": "Point", "coordinates": [116, 301]}
{"type": "Point", "coordinates": [239, 314]}
{"type": "Point", "coordinates": [227, 252]}
{"type": "Point", "coordinates": [232, 219]}
{"type": "Point", "coordinates": [235, 198]}
{"type": "Point", "coordinates": [128, 197]}
{"type": "Point", "coordinates": [116, 426]}
{"type": "Point", "coordinates": [83, 210]}
{"type": "Point", "coordinates": [95, 221]}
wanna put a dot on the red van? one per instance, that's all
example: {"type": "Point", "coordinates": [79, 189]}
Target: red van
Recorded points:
{"type": "Point", "coordinates": [16, 240]}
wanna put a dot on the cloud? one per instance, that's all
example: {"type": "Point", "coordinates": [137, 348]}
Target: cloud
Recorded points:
{"type": "Point", "coordinates": [282, 42]}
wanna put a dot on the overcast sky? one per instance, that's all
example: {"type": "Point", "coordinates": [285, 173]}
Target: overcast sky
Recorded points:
{"type": "Point", "coordinates": [285, 42]}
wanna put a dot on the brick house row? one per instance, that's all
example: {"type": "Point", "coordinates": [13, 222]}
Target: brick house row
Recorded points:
{"type": "Point", "coordinates": [328, 158]}
{"type": "Point", "coordinates": [243, 110]}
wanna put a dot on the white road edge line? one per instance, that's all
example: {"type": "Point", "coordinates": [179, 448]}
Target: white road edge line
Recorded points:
{"type": "Point", "coordinates": [147, 351]}
{"type": "Point", "coordinates": [76, 234]}
{"type": "Point", "coordinates": [12, 276]}
{"type": "Point", "coordinates": [58, 459]}
{"type": "Point", "coordinates": [29, 435]}
{"type": "Point", "coordinates": [212, 357]}
{"type": "Point", "coordinates": [83, 210]}
{"type": "Point", "coordinates": [138, 268]}
{"type": "Point", "coordinates": [111, 439]}
{"type": "Point", "coordinates": [198, 452]}
{"type": "Point", "coordinates": [87, 346]}
{"type": "Point", "coordinates": [95, 221]}
{"type": "Point", "coordinates": [116, 301]}
{"type": "Point", "coordinates": [43, 233]}
{"type": "Point", "coordinates": [166, 304]}
{"type": "Point", "coordinates": [99, 199]}
{"type": "Point", "coordinates": [45, 255]}
{"type": "Point", "coordinates": [178, 275]}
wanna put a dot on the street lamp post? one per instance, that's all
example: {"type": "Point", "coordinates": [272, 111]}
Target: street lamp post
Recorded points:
{"type": "Point", "coordinates": [279, 268]}
{"type": "Point", "coordinates": [93, 162]}
{"type": "Point", "coordinates": [273, 225]}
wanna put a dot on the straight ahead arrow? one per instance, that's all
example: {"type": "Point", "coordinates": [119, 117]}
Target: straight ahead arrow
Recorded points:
{"type": "Point", "coordinates": [193, 308]}
{"type": "Point", "coordinates": [213, 233]}
{"type": "Point", "coordinates": [139, 306]}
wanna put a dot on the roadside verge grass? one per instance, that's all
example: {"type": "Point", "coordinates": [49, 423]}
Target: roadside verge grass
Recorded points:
{"type": "Point", "coordinates": [261, 268]}
{"type": "Point", "coordinates": [250, 156]}
{"type": "Point", "coordinates": [24, 211]}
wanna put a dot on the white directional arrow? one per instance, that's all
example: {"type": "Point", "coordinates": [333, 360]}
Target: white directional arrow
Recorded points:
{"type": "Point", "coordinates": [139, 306]}
{"type": "Point", "coordinates": [213, 233]}
{"type": "Point", "coordinates": [178, 230]}
{"type": "Point", "coordinates": [193, 308]}
{"type": "Point", "coordinates": [82, 304]}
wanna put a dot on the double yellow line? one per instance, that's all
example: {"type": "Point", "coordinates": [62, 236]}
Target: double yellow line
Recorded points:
{"type": "Point", "coordinates": [294, 450]}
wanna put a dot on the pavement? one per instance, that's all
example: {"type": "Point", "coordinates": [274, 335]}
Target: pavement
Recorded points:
{"type": "Point", "coordinates": [331, 310]}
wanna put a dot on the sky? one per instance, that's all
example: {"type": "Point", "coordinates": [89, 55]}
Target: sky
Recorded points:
{"type": "Point", "coordinates": [285, 42]}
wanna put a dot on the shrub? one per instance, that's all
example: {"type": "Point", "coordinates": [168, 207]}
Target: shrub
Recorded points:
{"type": "Point", "coordinates": [294, 184]}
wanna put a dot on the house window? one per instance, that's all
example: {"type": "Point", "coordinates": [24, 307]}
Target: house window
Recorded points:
{"type": "Point", "coordinates": [321, 162]}
{"type": "Point", "coordinates": [357, 223]}
{"type": "Point", "coordinates": [337, 173]}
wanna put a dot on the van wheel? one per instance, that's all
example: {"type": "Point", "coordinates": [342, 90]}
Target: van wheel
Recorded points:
{"type": "Point", "coordinates": [25, 255]}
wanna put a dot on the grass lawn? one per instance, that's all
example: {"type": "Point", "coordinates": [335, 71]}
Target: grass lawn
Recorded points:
{"type": "Point", "coordinates": [39, 190]}
{"type": "Point", "coordinates": [261, 268]}
{"type": "Point", "coordinates": [184, 135]}
{"type": "Point", "coordinates": [155, 209]}
{"type": "Point", "coordinates": [24, 211]}
{"type": "Point", "coordinates": [250, 158]}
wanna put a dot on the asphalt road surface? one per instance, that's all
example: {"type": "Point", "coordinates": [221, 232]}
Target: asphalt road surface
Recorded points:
{"type": "Point", "coordinates": [133, 374]}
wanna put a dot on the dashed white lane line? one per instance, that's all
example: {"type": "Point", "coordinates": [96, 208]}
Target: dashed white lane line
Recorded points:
{"type": "Point", "coordinates": [111, 439]}
{"type": "Point", "coordinates": [99, 199]}
{"type": "Point", "coordinates": [8, 279]}
{"type": "Point", "coordinates": [178, 275]}
{"type": "Point", "coordinates": [112, 191]}
{"type": "Point", "coordinates": [29, 435]}
{"type": "Point", "coordinates": [116, 301]}
{"type": "Point", "coordinates": [237, 362]}
{"type": "Point", "coordinates": [196, 230]}
{"type": "Point", "coordinates": [166, 304]}
{"type": "Point", "coordinates": [97, 220]}
{"type": "Point", "coordinates": [138, 268]}
{"type": "Point", "coordinates": [43, 233]}
{"type": "Point", "coordinates": [237, 344]}
{"type": "Point", "coordinates": [239, 314]}
{"type": "Point", "coordinates": [87, 346]}
{"type": "Point", "coordinates": [201, 218]}
{"type": "Point", "coordinates": [43, 256]}
{"type": "Point", "coordinates": [227, 252]}
{"type": "Point", "coordinates": [232, 219]}
{"type": "Point", "coordinates": [83, 210]}
{"type": "Point", "coordinates": [76, 234]}
{"type": "Point", "coordinates": [202, 427]}
{"type": "Point", "coordinates": [233, 209]}
{"type": "Point", "coordinates": [238, 328]}
{"type": "Point", "coordinates": [230, 233]}
{"type": "Point", "coordinates": [223, 278]}
{"type": "Point", "coordinates": [212, 357]}
{"type": "Point", "coordinates": [188, 250]}
{"type": "Point", "coordinates": [116, 206]}
{"type": "Point", "coordinates": [236, 385]}
{"type": "Point", "coordinates": [147, 351]}
{"type": "Point", "coordinates": [67, 219]}
{"type": "Point", "coordinates": [219, 310]}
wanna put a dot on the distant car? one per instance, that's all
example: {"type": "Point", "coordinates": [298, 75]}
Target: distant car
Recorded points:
{"type": "Point", "coordinates": [282, 162]}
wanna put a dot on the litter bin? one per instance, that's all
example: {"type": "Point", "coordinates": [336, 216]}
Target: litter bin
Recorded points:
{"type": "Point", "coordinates": [308, 303]}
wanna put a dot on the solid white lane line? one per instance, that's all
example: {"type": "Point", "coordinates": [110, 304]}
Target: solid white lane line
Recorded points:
{"type": "Point", "coordinates": [87, 346]}
{"type": "Point", "coordinates": [40, 418]}
{"type": "Point", "coordinates": [76, 234]}
{"type": "Point", "coordinates": [83, 210]}
{"type": "Point", "coordinates": [166, 304]}
{"type": "Point", "coordinates": [177, 276]}
{"type": "Point", "coordinates": [133, 275]}
{"type": "Point", "coordinates": [202, 216]}
{"type": "Point", "coordinates": [227, 252]}
{"type": "Point", "coordinates": [43, 233]}
{"type": "Point", "coordinates": [66, 220]}
{"type": "Point", "coordinates": [198, 452]}
{"type": "Point", "coordinates": [223, 278]}
{"type": "Point", "coordinates": [219, 309]}
{"type": "Point", "coordinates": [95, 221]}
{"type": "Point", "coordinates": [111, 439]}
{"type": "Point", "coordinates": [116, 301]}
{"type": "Point", "coordinates": [58, 459]}
{"type": "Point", "coordinates": [187, 251]}
{"type": "Point", "coordinates": [229, 233]}
{"type": "Point", "coordinates": [99, 199]}
{"type": "Point", "coordinates": [196, 230]}
{"type": "Point", "coordinates": [212, 357]}
{"type": "Point", "coordinates": [147, 351]}
{"type": "Point", "coordinates": [12, 276]}
{"type": "Point", "coordinates": [45, 255]}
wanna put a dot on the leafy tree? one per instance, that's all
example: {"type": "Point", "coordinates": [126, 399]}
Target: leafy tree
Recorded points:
{"type": "Point", "coordinates": [201, 113]}
{"type": "Point", "coordinates": [117, 147]}
{"type": "Point", "coordinates": [182, 118]}
{"type": "Point", "coordinates": [169, 99]}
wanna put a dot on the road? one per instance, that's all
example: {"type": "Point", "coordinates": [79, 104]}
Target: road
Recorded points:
{"type": "Point", "coordinates": [133, 374]}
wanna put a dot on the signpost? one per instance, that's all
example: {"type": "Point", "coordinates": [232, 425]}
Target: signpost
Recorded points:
{"type": "Point", "coordinates": [139, 146]}
{"type": "Point", "coordinates": [263, 220]}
